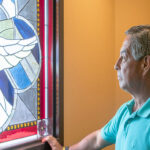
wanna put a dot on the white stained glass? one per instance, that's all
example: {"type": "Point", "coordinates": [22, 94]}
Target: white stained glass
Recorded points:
{"type": "Point", "coordinates": [13, 60]}
{"type": "Point", "coordinates": [28, 41]}
{"type": "Point", "coordinates": [28, 47]}
{"type": "Point", "coordinates": [6, 42]}
{"type": "Point", "coordinates": [8, 107]}
{"type": "Point", "coordinates": [11, 49]}
{"type": "Point", "coordinates": [33, 64]}
{"type": "Point", "coordinates": [5, 109]}
{"type": "Point", "coordinates": [2, 51]}
{"type": "Point", "coordinates": [2, 100]}
{"type": "Point", "coordinates": [14, 46]}
{"type": "Point", "coordinates": [4, 116]}
{"type": "Point", "coordinates": [9, 6]}
{"type": "Point", "coordinates": [23, 54]}
{"type": "Point", "coordinates": [3, 63]}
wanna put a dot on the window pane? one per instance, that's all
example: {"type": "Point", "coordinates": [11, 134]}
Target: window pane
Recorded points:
{"type": "Point", "coordinates": [25, 71]}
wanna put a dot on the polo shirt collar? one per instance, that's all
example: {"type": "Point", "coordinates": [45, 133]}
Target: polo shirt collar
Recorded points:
{"type": "Point", "coordinates": [129, 106]}
{"type": "Point", "coordinates": [144, 111]}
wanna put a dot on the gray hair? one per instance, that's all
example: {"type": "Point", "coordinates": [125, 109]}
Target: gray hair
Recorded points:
{"type": "Point", "coordinates": [139, 41]}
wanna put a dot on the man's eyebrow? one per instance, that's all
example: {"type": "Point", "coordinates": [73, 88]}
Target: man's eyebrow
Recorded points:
{"type": "Point", "coordinates": [123, 51]}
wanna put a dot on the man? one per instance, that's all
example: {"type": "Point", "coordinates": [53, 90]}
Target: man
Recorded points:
{"type": "Point", "coordinates": [129, 129]}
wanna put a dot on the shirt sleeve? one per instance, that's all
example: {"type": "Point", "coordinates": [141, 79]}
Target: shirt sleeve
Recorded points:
{"type": "Point", "coordinates": [109, 131]}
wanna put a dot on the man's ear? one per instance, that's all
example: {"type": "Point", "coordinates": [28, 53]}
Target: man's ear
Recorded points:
{"type": "Point", "coordinates": [146, 64]}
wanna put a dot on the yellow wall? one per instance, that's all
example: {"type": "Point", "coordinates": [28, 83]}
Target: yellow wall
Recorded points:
{"type": "Point", "coordinates": [88, 69]}
{"type": "Point", "coordinates": [93, 34]}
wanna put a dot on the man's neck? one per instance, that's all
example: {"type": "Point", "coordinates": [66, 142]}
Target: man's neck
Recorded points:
{"type": "Point", "coordinates": [139, 101]}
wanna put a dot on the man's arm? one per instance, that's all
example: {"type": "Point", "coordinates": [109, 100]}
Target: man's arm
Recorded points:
{"type": "Point", "coordinates": [93, 141]}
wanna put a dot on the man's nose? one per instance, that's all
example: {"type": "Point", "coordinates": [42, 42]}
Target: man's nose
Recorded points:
{"type": "Point", "coordinates": [116, 66]}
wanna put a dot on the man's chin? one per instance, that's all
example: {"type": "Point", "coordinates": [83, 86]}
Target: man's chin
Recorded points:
{"type": "Point", "coordinates": [124, 87]}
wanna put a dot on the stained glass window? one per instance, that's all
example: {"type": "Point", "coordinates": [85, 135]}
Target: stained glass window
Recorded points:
{"type": "Point", "coordinates": [26, 70]}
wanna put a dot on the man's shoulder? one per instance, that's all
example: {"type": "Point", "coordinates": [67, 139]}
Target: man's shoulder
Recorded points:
{"type": "Point", "coordinates": [125, 107]}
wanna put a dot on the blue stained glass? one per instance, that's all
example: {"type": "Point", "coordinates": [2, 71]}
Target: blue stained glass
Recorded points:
{"type": "Point", "coordinates": [23, 28]}
{"type": "Point", "coordinates": [35, 52]}
{"type": "Point", "coordinates": [13, 1]}
{"type": "Point", "coordinates": [20, 76]}
{"type": "Point", "coordinates": [2, 15]}
{"type": "Point", "coordinates": [6, 87]}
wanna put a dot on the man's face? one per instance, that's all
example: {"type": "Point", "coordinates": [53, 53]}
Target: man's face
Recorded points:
{"type": "Point", "coordinates": [128, 69]}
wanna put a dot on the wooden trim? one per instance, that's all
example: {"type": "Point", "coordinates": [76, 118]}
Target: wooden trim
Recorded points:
{"type": "Point", "coordinates": [61, 71]}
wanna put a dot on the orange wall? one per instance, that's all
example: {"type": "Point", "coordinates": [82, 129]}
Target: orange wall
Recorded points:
{"type": "Point", "coordinates": [88, 66]}
{"type": "Point", "coordinates": [127, 14]}
{"type": "Point", "coordinates": [93, 34]}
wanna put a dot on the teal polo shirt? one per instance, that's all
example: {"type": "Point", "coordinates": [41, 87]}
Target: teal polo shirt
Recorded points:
{"type": "Point", "coordinates": [127, 130]}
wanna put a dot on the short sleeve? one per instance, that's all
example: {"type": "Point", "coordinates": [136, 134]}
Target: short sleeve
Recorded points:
{"type": "Point", "coordinates": [109, 131]}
